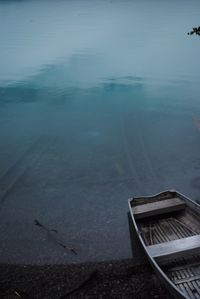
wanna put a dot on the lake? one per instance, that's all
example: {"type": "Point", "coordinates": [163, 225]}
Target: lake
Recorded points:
{"type": "Point", "coordinates": [99, 102]}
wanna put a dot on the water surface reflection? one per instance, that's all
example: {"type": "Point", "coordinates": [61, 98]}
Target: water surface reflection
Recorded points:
{"type": "Point", "coordinates": [96, 105]}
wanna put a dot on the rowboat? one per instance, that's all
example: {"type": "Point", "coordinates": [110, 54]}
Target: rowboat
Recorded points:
{"type": "Point", "coordinates": [168, 227]}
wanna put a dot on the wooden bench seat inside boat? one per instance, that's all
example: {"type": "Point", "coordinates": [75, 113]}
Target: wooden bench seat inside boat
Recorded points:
{"type": "Point", "coordinates": [175, 249]}
{"type": "Point", "coordinates": [158, 207]}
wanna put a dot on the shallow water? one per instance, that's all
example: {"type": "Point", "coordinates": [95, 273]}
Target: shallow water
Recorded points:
{"type": "Point", "coordinates": [99, 101]}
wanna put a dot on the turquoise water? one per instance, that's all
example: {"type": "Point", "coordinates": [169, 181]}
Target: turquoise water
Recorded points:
{"type": "Point", "coordinates": [99, 101]}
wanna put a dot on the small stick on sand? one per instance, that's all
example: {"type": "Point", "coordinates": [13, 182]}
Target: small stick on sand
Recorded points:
{"type": "Point", "coordinates": [18, 295]}
{"type": "Point", "coordinates": [22, 295]}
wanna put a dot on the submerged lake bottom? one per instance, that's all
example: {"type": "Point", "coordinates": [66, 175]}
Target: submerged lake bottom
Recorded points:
{"type": "Point", "coordinates": [72, 167]}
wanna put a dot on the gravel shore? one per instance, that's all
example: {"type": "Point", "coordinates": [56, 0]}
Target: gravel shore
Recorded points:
{"type": "Point", "coordinates": [115, 279]}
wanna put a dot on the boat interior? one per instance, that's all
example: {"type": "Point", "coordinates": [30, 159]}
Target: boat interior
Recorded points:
{"type": "Point", "coordinates": [170, 228]}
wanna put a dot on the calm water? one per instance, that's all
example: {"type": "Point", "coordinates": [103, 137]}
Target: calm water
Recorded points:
{"type": "Point", "coordinates": [97, 104]}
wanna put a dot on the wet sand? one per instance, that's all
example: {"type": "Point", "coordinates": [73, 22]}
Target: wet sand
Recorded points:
{"type": "Point", "coordinates": [116, 279]}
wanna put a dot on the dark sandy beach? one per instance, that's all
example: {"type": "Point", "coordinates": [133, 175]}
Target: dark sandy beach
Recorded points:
{"type": "Point", "coordinates": [118, 279]}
